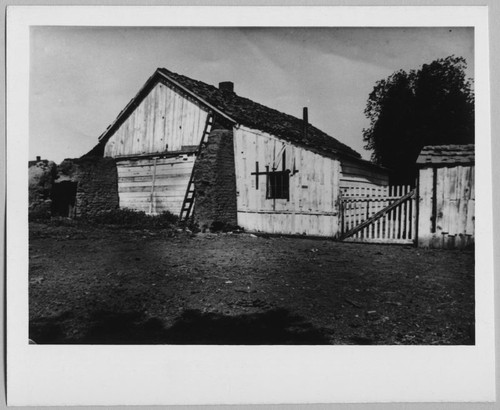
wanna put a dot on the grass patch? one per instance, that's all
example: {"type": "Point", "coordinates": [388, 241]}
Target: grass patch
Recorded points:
{"type": "Point", "coordinates": [129, 218]}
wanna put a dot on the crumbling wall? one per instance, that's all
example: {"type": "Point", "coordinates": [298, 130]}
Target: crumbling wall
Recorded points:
{"type": "Point", "coordinates": [215, 183]}
{"type": "Point", "coordinates": [41, 175]}
{"type": "Point", "coordinates": [97, 184]}
{"type": "Point", "coordinates": [95, 179]}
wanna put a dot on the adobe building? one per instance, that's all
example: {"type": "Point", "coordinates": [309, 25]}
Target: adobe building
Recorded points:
{"type": "Point", "coordinates": [80, 187]}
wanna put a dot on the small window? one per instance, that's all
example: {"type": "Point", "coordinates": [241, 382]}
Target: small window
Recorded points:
{"type": "Point", "coordinates": [278, 185]}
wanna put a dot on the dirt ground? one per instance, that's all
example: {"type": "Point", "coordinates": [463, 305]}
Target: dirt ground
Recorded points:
{"type": "Point", "coordinates": [107, 285]}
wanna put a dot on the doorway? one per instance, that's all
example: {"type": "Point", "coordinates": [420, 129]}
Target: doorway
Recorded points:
{"type": "Point", "coordinates": [64, 198]}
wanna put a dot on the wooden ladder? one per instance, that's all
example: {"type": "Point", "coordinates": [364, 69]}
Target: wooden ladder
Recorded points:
{"type": "Point", "coordinates": [187, 204]}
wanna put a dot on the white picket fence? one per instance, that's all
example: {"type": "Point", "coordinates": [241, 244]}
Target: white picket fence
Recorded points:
{"type": "Point", "coordinates": [360, 203]}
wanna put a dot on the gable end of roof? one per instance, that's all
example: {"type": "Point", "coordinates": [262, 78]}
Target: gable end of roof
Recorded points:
{"type": "Point", "coordinates": [236, 110]}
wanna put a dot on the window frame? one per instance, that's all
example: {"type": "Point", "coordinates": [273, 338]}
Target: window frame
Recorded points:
{"type": "Point", "coordinates": [275, 190]}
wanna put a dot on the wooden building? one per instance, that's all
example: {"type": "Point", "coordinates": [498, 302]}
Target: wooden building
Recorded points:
{"type": "Point", "coordinates": [181, 145]}
{"type": "Point", "coordinates": [446, 196]}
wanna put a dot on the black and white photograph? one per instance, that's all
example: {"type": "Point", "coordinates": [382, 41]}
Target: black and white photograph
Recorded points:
{"type": "Point", "coordinates": [252, 185]}
{"type": "Point", "coordinates": [257, 185]}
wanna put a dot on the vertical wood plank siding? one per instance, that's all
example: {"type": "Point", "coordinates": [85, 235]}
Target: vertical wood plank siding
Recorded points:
{"type": "Point", "coordinates": [454, 203]}
{"type": "Point", "coordinates": [144, 187]}
{"type": "Point", "coordinates": [163, 119]}
{"type": "Point", "coordinates": [312, 208]}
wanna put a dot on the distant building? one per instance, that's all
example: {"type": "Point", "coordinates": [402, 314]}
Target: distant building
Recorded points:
{"type": "Point", "coordinates": [37, 161]}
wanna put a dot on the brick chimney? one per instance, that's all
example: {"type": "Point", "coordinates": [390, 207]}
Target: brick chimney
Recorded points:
{"type": "Point", "coordinates": [226, 87]}
{"type": "Point", "coordinates": [305, 122]}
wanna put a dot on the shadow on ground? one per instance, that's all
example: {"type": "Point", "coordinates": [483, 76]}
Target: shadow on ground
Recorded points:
{"type": "Point", "coordinates": [276, 326]}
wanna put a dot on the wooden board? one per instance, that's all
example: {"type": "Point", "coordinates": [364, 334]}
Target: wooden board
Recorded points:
{"type": "Point", "coordinates": [163, 121]}
{"type": "Point", "coordinates": [313, 190]}
{"type": "Point", "coordinates": [289, 223]}
{"type": "Point", "coordinates": [136, 189]}
{"type": "Point", "coordinates": [354, 171]}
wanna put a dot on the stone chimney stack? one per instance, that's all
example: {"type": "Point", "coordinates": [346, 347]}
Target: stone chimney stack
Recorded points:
{"type": "Point", "coordinates": [305, 122]}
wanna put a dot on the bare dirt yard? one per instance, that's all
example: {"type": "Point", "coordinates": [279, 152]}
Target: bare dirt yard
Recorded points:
{"type": "Point", "coordinates": [98, 284]}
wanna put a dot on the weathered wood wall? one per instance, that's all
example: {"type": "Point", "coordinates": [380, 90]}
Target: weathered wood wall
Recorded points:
{"type": "Point", "coordinates": [164, 120]}
{"type": "Point", "coordinates": [142, 186]}
{"type": "Point", "coordinates": [312, 207]}
{"type": "Point", "coordinates": [446, 207]}
{"type": "Point", "coordinates": [358, 173]}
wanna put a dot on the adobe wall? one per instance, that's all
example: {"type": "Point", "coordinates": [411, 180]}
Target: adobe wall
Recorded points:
{"type": "Point", "coordinates": [215, 183]}
{"type": "Point", "coordinates": [41, 175]}
{"type": "Point", "coordinates": [96, 181]}
{"type": "Point", "coordinates": [97, 184]}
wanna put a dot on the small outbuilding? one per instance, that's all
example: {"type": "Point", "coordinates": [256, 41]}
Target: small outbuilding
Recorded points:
{"type": "Point", "coordinates": [446, 196]}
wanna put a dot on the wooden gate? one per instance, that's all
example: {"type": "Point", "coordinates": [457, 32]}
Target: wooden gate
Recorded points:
{"type": "Point", "coordinates": [378, 214]}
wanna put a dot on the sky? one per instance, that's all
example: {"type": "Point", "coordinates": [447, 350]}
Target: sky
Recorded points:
{"type": "Point", "coordinates": [82, 77]}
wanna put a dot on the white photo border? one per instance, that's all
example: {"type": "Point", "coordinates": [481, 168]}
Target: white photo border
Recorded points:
{"type": "Point", "coordinates": [159, 375]}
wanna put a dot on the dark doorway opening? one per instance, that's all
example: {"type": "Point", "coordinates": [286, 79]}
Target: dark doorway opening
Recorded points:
{"type": "Point", "coordinates": [64, 198]}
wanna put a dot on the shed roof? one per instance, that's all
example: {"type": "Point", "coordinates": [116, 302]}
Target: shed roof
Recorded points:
{"type": "Point", "coordinates": [446, 154]}
{"type": "Point", "coordinates": [239, 110]}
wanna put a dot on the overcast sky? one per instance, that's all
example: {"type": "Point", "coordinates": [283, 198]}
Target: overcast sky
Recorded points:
{"type": "Point", "coordinates": [82, 77]}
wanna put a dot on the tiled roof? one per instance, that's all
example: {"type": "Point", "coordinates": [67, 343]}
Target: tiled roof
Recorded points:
{"type": "Point", "coordinates": [446, 154]}
{"type": "Point", "coordinates": [244, 112]}
{"type": "Point", "coordinates": [254, 115]}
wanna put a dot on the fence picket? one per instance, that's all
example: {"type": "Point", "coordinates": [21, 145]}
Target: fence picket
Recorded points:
{"type": "Point", "coordinates": [401, 217]}
{"type": "Point", "coordinates": [386, 222]}
{"type": "Point", "coordinates": [355, 214]}
{"type": "Point", "coordinates": [406, 217]}
{"type": "Point", "coordinates": [398, 215]}
{"type": "Point", "coordinates": [351, 210]}
{"type": "Point", "coordinates": [394, 225]}
{"type": "Point", "coordinates": [368, 236]}
{"type": "Point", "coordinates": [404, 212]}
